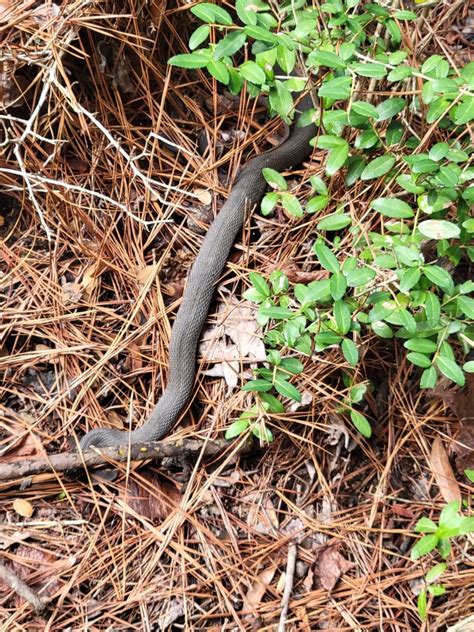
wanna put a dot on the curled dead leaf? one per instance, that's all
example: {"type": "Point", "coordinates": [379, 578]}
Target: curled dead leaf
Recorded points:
{"type": "Point", "coordinates": [443, 472]}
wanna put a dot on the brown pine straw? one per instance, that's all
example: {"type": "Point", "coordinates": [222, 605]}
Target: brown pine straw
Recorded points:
{"type": "Point", "coordinates": [100, 223]}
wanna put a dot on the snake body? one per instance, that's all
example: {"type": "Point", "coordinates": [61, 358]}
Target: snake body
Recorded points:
{"type": "Point", "coordinates": [205, 272]}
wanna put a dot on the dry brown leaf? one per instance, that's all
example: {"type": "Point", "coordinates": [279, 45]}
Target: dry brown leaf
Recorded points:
{"type": "Point", "coordinates": [157, 504]}
{"type": "Point", "coordinates": [204, 196]}
{"type": "Point", "coordinates": [23, 507]}
{"type": "Point", "coordinates": [115, 420]}
{"type": "Point", "coordinates": [443, 472]}
{"type": "Point", "coordinates": [258, 589]}
{"type": "Point", "coordinates": [91, 276]}
{"type": "Point", "coordinates": [146, 274]}
{"type": "Point", "coordinates": [329, 566]}
{"type": "Point", "coordinates": [71, 292]}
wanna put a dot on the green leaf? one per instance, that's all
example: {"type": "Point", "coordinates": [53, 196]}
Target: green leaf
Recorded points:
{"type": "Point", "coordinates": [435, 573]}
{"type": "Point", "coordinates": [259, 283]}
{"type": "Point", "coordinates": [366, 140]}
{"type": "Point", "coordinates": [189, 60]}
{"type": "Point", "coordinates": [432, 309]}
{"type": "Point", "coordinates": [318, 203]}
{"type": "Point", "coordinates": [286, 389]}
{"type": "Point", "coordinates": [439, 229]}
{"type": "Point", "coordinates": [409, 279]}
{"type": "Point", "coordinates": [439, 276]}
{"type": "Point", "coordinates": [450, 514]}
{"type": "Point", "coordinates": [406, 319]}
{"type": "Point", "coordinates": [326, 258]}
{"type": "Point", "coordinates": [237, 428]}
{"type": "Point", "coordinates": [376, 71]}
{"type": "Point", "coordinates": [378, 167]}
{"type": "Point", "coordinates": [269, 201]}
{"type": "Point", "coordinates": [361, 423]}
{"type": "Point", "coordinates": [468, 367]}
{"type": "Point", "coordinates": [230, 44]}
{"type": "Point", "coordinates": [274, 404]}
{"type": "Point", "coordinates": [286, 58]}
{"type": "Point", "coordinates": [425, 525]}
{"type": "Point", "coordinates": [281, 100]}
{"type": "Point", "coordinates": [211, 13]}
{"type": "Point", "coordinates": [450, 369]}
{"type": "Point", "coordinates": [365, 109]}
{"type": "Point", "coordinates": [246, 11]}
{"type": "Point", "coordinates": [219, 71]}
{"type": "Point", "coordinates": [422, 345]}
{"type": "Point", "coordinates": [328, 59]}
{"type": "Point", "coordinates": [274, 179]}
{"type": "Point", "coordinates": [382, 329]}
{"type": "Point", "coordinates": [342, 316]}
{"type": "Point", "coordinates": [422, 604]}
{"type": "Point", "coordinates": [292, 365]}
{"type": "Point", "coordinates": [260, 34]}
{"type": "Point", "coordinates": [389, 108]}
{"type": "Point", "coordinates": [335, 221]}
{"type": "Point", "coordinates": [360, 276]}
{"type": "Point", "coordinates": [466, 305]}
{"type": "Point", "coordinates": [419, 359]}
{"type": "Point", "coordinates": [291, 204]}
{"type": "Point", "coordinates": [350, 351]}
{"type": "Point", "coordinates": [257, 385]}
{"type": "Point", "coordinates": [428, 378]}
{"type": "Point", "coordinates": [464, 112]}
{"type": "Point", "coordinates": [337, 285]}
{"type": "Point", "coordinates": [318, 185]}
{"type": "Point", "coordinates": [277, 313]}
{"type": "Point", "coordinates": [400, 73]}
{"type": "Point", "coordinates": [392, 207]}
{"type": "Point", "coordinates": [338, 89]}
{"type": "Point", "coordinates": [426, 544]}
{"type": "Point", "coordinates": [330, 141]}
{"type": "Point", "coordinates": [199, 36]}
{"type": "Point", "coordinates": [252, 72]}
{"type": "Point", "coordinates": [262, 433]}
{"type": "Point", "coordinates": [336, 159]}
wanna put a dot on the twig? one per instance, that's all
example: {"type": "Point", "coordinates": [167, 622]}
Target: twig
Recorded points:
{"type": "Point", "coordinates": [74, 462]}
{"type": "Point", "coordinates": [21, 588]}
{"type": "Point", "coordinates": [290, 574]}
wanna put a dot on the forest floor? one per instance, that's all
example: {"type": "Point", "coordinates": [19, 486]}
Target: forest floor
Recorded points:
{"type": "Point", "coordinates": [99, 223]}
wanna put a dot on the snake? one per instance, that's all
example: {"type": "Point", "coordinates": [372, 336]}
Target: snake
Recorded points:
{"type": "Point", "coordinates": [246, 192]}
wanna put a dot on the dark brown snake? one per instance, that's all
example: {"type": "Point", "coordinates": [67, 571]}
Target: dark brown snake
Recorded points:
{"type": "Point", "coordinates": [205, 272]}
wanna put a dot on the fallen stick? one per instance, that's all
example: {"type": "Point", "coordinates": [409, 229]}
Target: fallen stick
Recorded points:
{"type": "Point", "coordinates": [75, 462]}
{"type": "Point", "coordinates": [22, 589]}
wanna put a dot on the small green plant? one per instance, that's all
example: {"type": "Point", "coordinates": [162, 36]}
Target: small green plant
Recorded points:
{"type": "Point", "coordinates": [395, 275]}
{"type": "Point", "coordinates": [451, 525]}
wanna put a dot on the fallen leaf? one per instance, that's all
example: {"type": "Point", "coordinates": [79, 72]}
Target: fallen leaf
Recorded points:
{"type": "Point", "coordinates": [443, 472]}
{"type": "Point", "coordinates": [204, 196]}
{"type": "Point", "coordinates": [71, 292]}
{"type": "Point", "coordinates": [23, 507]}
{"type": "Point", "coordinates": [233, 339]}
{"type": "Point", "coordinates": [329, 566]}
{"type": "Point", "coordinates": [155, 500]}
{"type": "Point", "coordinates": [258, 589]}
{"type": "Point", "coordinates": [146, 274]}
{"type": "Point", "coordinates": [401, 510]}
{"type": "Point", "coordinates": [295, 274]}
